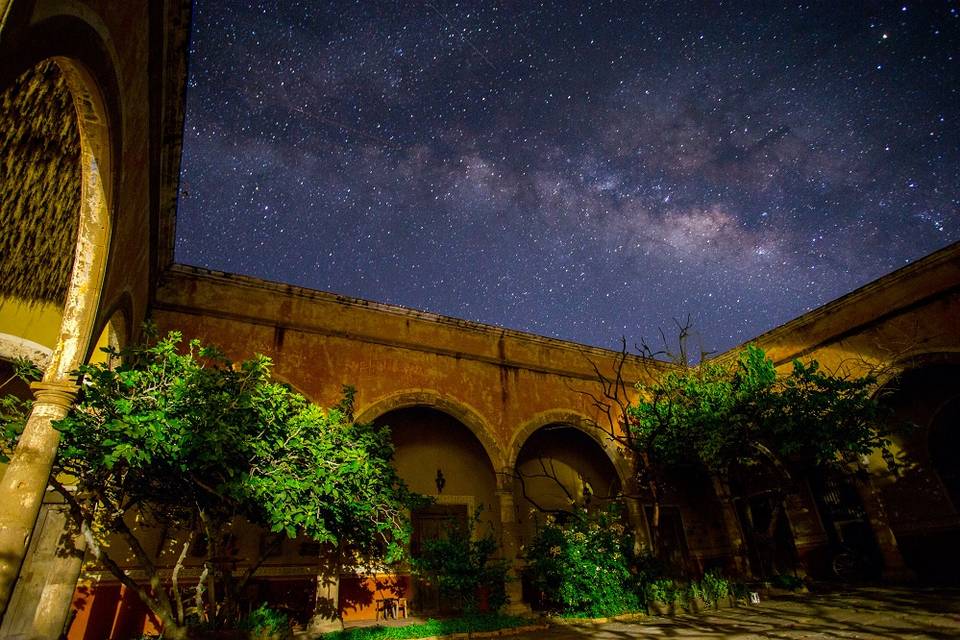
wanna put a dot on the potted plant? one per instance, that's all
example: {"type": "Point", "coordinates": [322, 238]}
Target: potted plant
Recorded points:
{"type": "Point", "coordinates": [661, 596]}
{"type": "Point", "coordinates": [716, 590]}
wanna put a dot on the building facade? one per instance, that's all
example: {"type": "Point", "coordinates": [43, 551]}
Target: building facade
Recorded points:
{"type": "Point", "coordinates": [90, 123]}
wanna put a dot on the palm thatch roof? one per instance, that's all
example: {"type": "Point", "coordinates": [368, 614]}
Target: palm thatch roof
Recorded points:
{"type": "Point", "coordinates": [39, 186]}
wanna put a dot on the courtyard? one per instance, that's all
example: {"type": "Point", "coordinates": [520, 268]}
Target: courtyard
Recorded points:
{"type": "Point", "coordinates": [862, 612]}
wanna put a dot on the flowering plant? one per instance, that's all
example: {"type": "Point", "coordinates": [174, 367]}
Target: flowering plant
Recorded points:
{"type": "Point", "coordinates": [580, 564]}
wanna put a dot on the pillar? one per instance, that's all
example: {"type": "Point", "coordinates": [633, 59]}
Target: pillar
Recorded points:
{"type": "Point", "coordinates": [43, 593]}
{"type": "Point", "coordinates": [894, 567]}
{"type": "Point", "coordinates": [806, 529]}
{"type": "Point", "coordinates": [509, 551]}
{"type": "Point", "coordinates": [731, 524]}
{"type": "Point", "coordinates": [637, 520]}
{"type": "Point", "coordinates": [25, 480]}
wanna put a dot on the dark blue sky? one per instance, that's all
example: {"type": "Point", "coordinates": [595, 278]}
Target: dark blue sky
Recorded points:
{"type": "Point", "coordinates": [582, 170]}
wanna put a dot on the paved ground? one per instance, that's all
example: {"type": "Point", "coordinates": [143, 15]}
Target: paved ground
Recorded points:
{"type": "Point", "coordinates": [864, 612]}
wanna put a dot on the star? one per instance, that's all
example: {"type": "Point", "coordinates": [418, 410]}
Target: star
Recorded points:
{"type": "Point", "coordinates": [579, 171]}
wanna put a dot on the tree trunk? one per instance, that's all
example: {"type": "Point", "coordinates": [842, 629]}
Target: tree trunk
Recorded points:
{"type": "Point", "coordinates": [654, 521]}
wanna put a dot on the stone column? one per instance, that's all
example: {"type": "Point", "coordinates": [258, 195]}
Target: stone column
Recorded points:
{"type": "Point", "coordinates": [48, 578]}
{"type": "Point", "coordinates": [805, 528]}
{"type": "Point", "coordinates": [894, 567]}
{"type": "Point", "coordinates": [25, 480]}
{"type": "Point", "coordinates": [637, 520]}
{"type": "Point", "coordinates": [731, 524]}
{"type": "Point", "coordinates": [509, 534]}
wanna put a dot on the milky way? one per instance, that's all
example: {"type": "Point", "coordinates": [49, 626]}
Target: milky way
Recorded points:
{"type": "Point", "coordinates": [579, 170]}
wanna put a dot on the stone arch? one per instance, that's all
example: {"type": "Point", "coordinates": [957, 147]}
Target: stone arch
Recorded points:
{"type": "Point", "coordinates": [13, 347]}
{"type": "Point", "coordinates": [82, 304]}
{"type": "Point", "coordinates": [464, 413]}
{"type": "Point", "coordinates": [117, 319]}
{"type": "Point", "coordinates": [579, 422]}
{"type": "Point", "coordinates": [80, 54]}
{"type": "Point", "coordinates": [915, 359]}
{"type": "Point", "coordinates": [914, 364]}
{"type": "Point", "coordinates": [922, 496]}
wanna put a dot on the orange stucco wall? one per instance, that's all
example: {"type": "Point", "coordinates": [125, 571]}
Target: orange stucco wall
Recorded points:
{"type": "Point", "coordinates": [501, 384]}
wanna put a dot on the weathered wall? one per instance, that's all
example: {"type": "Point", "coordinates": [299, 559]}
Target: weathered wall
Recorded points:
{"type": "Point", "coordinates": [119, 69]}
{"type": "Point", "coordinates": [501, 384]}
{"type": "Point", "coordinates": [890, 322]}
{"type": "Point", "coordinates": [111, 46]}
{"type": "Point", "coordinates": [903, 326]}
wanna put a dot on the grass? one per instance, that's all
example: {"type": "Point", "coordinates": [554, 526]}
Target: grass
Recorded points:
{"type": "Point", "coordinates": [490, 622]}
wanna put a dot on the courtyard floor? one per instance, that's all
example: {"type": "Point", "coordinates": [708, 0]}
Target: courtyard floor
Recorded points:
{"type": "Point", "coordinates": [862, 612]}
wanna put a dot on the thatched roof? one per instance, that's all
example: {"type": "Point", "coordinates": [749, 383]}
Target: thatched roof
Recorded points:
{"type": "Point", "coordinates": [39, 186]}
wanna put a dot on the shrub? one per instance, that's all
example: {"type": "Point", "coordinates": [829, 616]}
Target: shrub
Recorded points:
{"type": "Point", "coordinates": [782, 581]}
{"type": "Point", "coordinates": [583, 565]}
{"type": "Point", "coordinates": [264, 622]}
{"type": "Point", "coordinates": [461, 566]}
{"type": "Point", "coordinates": [715, 587]}
{"type": "Point", "coordinates": [663, 590]}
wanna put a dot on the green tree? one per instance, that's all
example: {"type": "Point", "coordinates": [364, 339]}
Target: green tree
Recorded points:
{"type": "Point", "coordinates": [717, 415]}
{"type": "Point", "coordinates": [744, 414]}
{"type": "Point", "coordinates": [186, 440]}
{"type": "Point", "coordinates": [14, 409]}
{"type": "Point", "coordinates": [461, 564]}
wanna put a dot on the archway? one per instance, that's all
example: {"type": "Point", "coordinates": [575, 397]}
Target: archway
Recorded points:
{"type": "Point", "coordinates": [56, 228]}
{"type": "Point", "coordinates": [560, 469]}
{"type": "Point", "coordinates": [439, 456]}
{"type": "Point", "coordinates": [922, 498]}
{"type": "Point", "coordinates": [455, 408]}
{"type": "Point", "coordinates": [944, 446]}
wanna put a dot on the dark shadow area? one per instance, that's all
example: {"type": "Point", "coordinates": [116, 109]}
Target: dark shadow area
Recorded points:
{"type": "Point", "coordinates": [832, 612]}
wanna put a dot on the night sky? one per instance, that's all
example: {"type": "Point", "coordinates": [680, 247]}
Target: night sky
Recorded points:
{"type": "Point", "coordinates": [582, 170]}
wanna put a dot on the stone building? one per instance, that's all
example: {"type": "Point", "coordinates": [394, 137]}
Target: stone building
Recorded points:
{"type": "Point", "coordinates": [91, 113]}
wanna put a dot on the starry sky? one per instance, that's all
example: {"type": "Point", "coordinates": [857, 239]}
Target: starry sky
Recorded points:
{"type": "Point", "coordinates": [580, 170]}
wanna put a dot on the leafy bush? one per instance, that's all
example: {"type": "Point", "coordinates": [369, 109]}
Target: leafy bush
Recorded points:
{"type": "Point", "coordinates": [782, 581]}
{"type": "Point", "coordinates": [461, 566]}
{"type": "Point", "coordinates": [264, 622]}
{"type": "Point", "coordinates": [715, 587]}
{"type": "Point", "coordinates": [583, 566]}
{"type": "Point", "coordinates": [663, 590]}
{"type": "Point", "coordinates": [13, 410]}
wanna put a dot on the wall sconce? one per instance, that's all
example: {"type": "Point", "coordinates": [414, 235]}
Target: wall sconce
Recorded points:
{"type": "Point", "coordinates": [440, 481]}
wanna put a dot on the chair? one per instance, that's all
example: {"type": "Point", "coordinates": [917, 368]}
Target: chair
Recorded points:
{"type": "Point", "coordinates": [386, 608]}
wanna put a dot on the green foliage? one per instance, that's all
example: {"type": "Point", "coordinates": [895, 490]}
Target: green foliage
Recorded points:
{"type": "Point", "coordinates": [582, 566]}
{"type": "Point", "coordinates": [467, 624]}
{"type": "Point", "coordinates": [712, 588]}
{"type": "Point", "coordinates": [663, 590]}
{"type": "Point", "coordinates": [461, 565]}
{"type": "Point", "coordinates": [718, 415]}
{"type": "Point", "coordinates": [187, 438]}
{"type": "Point", "coordinates": [264, 622]}
{"type": "Point", "coordinates": [13, 410]}
{"type": "Point", "coordinates": [786, 581]}
{"type": "Point", "coordinates": [715, 587]}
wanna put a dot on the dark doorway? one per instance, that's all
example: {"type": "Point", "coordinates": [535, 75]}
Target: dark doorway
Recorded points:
{"type": "Point", "coordinates": [438, 521]}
